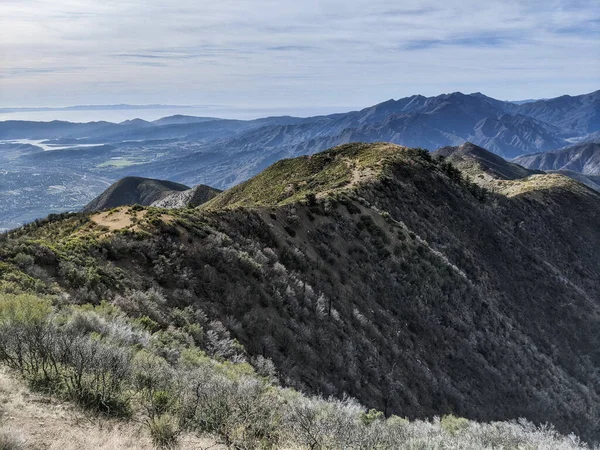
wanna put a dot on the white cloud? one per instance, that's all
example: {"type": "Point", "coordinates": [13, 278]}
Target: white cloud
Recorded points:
{"type": "Point", "coordinates": [276, 53]}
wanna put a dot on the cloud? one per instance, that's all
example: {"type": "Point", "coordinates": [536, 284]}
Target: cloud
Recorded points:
{"type": "Point", "coordinates": [293, 48]}
{"type": "Point", "coordinates": [270, 53]}
{"type": "Point", "coordinates": [485, 39]}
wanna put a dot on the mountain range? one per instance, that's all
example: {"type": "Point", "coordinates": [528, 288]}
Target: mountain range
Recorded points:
{"type": "Point", "coordinates": [222, 153]}
{"type": "Point", "coordinates": [582, 158]}
{"type": "Point", "coordinates": [396, 276]}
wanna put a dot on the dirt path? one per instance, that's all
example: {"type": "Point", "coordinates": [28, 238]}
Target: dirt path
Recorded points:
{"type": "Point", "coordinates": [43, 423]}
{"type": "Point", "coordinates": [119, 219]}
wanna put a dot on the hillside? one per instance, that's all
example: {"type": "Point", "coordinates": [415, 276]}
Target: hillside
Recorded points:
{"type": "Point", "coordinates": [582, 158]}
{"type": "Point", "coordinates": [488, 170]}
{"type": "Point", "coordinates": [134, 190]}
{"type": "Point", "coordinates": [371, 270]}
{"type": "Point", "coordinates": [591, 181]}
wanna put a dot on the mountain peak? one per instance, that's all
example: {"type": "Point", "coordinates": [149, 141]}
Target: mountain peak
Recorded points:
{"type": "Point", "coordinates": [476, 161]}
{"type": "Point", "coordinates": [133, 190]}
{"type": "Point", "coordinates": [291, 180]}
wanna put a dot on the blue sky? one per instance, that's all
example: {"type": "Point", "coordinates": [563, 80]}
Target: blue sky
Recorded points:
{"type": "Point", "coordinates": [292, 54]}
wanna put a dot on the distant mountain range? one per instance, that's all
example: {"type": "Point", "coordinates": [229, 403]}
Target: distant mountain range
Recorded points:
{"type": "Point", "coordinates": [223, 152]}
{"type": "Point", "coordinates": [506, 128]}
{"type": "Point", "coordinates": [583, 158]}
{"type": "Point", "coordinates": [119, 107]}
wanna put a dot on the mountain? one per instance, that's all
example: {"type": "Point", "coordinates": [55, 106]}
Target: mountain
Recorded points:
{"type": "Point", "coordinates": [134, 190]}
{"type": "Point", "coordinates": [370, 270]}
{"type": "Point", "coordinates": [581, 158]}
{"type": "Point", "coordinates": [485, 167]}
{"type": "Point", "coordinates": [223, 153]}
{"type": "Point", "coordinates": [476, 161]}
{"type": "Point", "coordinates": [191, 198]}
{"type": "Point", "coordinates": [579, 114]}
{"type": "Point", "coordinates": [528, 100]}
{"type": "Point", "coordinates": [180, 119]}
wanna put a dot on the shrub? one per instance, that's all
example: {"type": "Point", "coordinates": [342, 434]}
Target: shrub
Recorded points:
{"type": "Point", "coordinates": [164, 432]}
{"type": "Point", "coordinates": [62, 359]}
{"type": "Point", "coordinates": [453, 424]}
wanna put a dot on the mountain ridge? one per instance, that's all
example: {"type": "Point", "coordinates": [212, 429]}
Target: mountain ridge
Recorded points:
{"type": "Point", "coordinates": [408, 288]}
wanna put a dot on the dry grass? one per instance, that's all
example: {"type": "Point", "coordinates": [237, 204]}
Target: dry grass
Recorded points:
{"type": "Point", "coordinates": [119, 219]}
{"type": "Point", "coordinates": [33, 421]}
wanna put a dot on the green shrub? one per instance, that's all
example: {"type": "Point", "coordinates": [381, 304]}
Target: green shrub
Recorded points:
{"type": "Point", "coordinates": [164, 432]}
{"type": "Point", "coordinates": [453, 424]}
{"type": "Point", "coordinates": [24, 309]}
{"type": "Point", "coordinates": [371, 416]}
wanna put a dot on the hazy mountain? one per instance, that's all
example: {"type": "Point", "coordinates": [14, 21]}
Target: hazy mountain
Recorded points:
{"type": "Point", "coordinates": [582, 158]}
{"type": "Point", "coordinates": [179, 119]}
{"type": "Point", "coordinates": [120, 107]}
{"type": "Point", "coordinates": [134, 190]}
{"type": "Point", "coordinates": [373, 271]}
{"type": "Point", "coordinates": [528, 100]}
{"type": "Point", "coordinates": [435, 121]}
{"type": "Point", "coordinates": [580, 114]}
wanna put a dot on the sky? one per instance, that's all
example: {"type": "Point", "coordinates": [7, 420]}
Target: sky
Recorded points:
{"type": "Point", "coordinates": [292, 55]}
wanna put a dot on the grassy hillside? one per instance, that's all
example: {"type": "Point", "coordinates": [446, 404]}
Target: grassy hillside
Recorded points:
{"type": "Point", "coordinates": [134, 190]}
{"type": "Point", "coordinates": [292, 180]}
{"type": "Point", "coordinates": [369, 270]}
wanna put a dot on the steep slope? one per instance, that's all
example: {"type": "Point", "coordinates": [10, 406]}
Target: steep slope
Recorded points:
{"type": "Point", "coordinates": [134, 190]}
{"type": "Point", "coordinates": [370, 270]}
{"type": "Point", "coordinates": [196, 196]}
{"type": "Point", "coordinates": [582, 158]}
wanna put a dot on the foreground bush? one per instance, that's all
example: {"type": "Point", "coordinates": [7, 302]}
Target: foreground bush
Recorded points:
{"type": "Point", "coordinates": [61, 359]}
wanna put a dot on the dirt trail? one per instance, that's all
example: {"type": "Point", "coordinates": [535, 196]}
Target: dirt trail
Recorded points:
{"type": "Point", "coordinates": [119, 219]}
{"type": "Point", "coordinates": [43, 423]}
